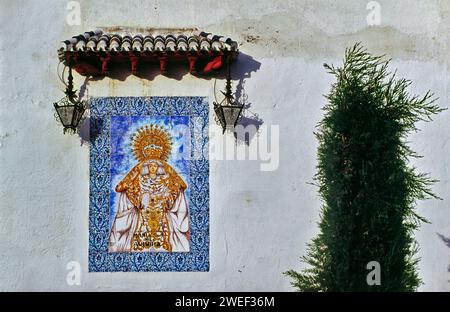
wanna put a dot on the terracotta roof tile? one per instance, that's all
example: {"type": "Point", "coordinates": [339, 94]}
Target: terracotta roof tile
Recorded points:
{"type": "Point", "coordinates": [97, 41]}
{"type": "Point", "coordinates": [95, 52]}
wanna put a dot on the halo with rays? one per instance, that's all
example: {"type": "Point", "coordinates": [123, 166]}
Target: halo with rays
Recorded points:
{"type": "Point", "coordinates": [151, 142]}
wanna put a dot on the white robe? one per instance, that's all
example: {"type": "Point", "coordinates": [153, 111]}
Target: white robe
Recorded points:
{"type": "Point", "coordinates": [127, 218]}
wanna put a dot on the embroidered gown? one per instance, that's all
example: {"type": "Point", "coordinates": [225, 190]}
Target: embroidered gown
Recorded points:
{"type": "Point", "coordinates": [152, 212]}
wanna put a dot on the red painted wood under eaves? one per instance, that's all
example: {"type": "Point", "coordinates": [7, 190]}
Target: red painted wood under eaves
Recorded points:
{"type": "Point", "coordinates": [101, 64]}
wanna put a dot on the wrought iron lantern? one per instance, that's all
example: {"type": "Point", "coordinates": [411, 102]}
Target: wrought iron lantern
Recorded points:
{"type": "Point", "coordinates": [70, 109]}
{"type": "Point", "coordinates": [228, 110]}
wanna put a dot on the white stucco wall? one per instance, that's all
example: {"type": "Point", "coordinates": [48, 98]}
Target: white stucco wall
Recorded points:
{"type": "Point", "coordinates": [260, 221]}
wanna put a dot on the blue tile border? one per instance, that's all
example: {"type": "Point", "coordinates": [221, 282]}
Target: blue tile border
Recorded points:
{"type": "Point", "coordinates": [197, 259]}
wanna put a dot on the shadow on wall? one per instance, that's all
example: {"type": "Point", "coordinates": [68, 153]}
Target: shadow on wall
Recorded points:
{"type": "Point", "coordinates": [446, 240]}
{"type": "Point", "coordinates": [83, 127]}
{"type": "Point", "coordinates": [241, 70]}
{"type": "Point", "coordinates": [245, 66]}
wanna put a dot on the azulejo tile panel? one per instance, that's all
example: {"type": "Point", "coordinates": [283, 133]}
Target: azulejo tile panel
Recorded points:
{"type": "Point", "coordinates": [149, 184]}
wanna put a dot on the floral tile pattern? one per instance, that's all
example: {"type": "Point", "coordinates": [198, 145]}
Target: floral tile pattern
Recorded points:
{"type": "Point", "coordinates": [116, 124]}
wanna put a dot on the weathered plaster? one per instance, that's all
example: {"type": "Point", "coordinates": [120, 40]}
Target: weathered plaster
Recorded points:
{"type": "Point", "coordinates": [260, 221]}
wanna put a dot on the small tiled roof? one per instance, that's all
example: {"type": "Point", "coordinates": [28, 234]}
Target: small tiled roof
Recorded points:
{"type": "Point", "coordinates": [97, 41]}
{"type": "Point", "coordinates": [96, 52]}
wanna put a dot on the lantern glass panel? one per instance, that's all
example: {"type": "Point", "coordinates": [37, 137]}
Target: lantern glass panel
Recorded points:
{"type": "Point", "coordinates": [65, 114]}
{"type": "Point", "coordinates": [231, 114]}
{"type": "Point", "coordinates": [219, 114]}
{"type": "Point", "coordinates": [78, 113]}
{"type": "Point", "coordinates": [69, 112]}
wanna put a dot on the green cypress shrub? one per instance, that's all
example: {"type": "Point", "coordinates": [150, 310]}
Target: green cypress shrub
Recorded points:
{"type": "Point", "coordinates": [368, 188]}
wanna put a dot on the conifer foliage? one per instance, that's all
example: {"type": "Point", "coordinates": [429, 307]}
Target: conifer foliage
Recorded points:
{"type": "Point", "coordinates": [368, 187]}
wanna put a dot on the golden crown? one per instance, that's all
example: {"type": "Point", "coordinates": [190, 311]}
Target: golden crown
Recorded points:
{"type": "Point", "coordinates": [151, 142]}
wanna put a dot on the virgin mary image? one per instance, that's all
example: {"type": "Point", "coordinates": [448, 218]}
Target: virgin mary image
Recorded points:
{"type": "Point", "coordinates": [152, 212]}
